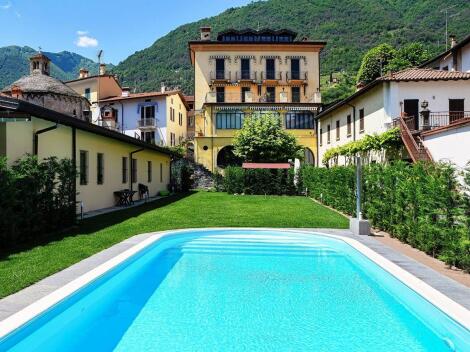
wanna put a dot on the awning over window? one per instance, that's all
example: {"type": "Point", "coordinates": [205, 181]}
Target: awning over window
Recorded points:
{"type": "Point", "coordinates": [266, 166]}
{"type": "Point", "coordinates": [149, 103]}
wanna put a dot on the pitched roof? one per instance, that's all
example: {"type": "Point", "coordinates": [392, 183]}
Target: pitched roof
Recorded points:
{"type": "Point", "coordinates": [425, 74]}
{"type": "Point", "coordinates": [18, 105]}
{"type": "Point", "coordinates": [41, 83]}
{"type": "Point", "coordinates": [148, 95]}
{"type": "Point", "coordinates": [457, 46]}
{"type": "Point", "coordinates": [407, 75]}
{"type": "Point", "coordinates": [94, 76]}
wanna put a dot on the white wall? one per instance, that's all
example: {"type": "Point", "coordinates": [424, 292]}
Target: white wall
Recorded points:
{"type": "Point", "coordinates": [437, 93]}
{"type": "Point", "coordinates": [450, 145]}
{"type": "Point", "coordinates": [466, 58]}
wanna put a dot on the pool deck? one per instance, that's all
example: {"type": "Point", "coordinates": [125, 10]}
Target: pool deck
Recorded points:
{"type": "Point", "coordinates": [17, 301]}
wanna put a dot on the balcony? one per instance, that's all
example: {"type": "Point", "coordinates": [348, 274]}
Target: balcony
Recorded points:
{"type": "Point", "coordinates": [297, 76]}
{"type": "Point", "coordinates": [221, 76]}
{"type": "Point", "coordinates": [147, 123]}
{"type": "Point", "coordinates": [249, 97]}
{"type": "Point", "coordinates": [110, 124]}
{"type": "Point", "coordinates": [271, 76]}
{"type": "Point", "coordinates": [435, 120]}
{"type": "Point", "coordinates": [246, 75]}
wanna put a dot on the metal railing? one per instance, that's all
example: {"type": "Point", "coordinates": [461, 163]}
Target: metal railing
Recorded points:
{"type": "Point", "coordinates": [297, 75]}
{"type": "Point", "coordinates": [109, 124]}
{"type": "Point", "coordinates": [435, 120]}
{"type": "Point", "coordinates": [246, 75]}
{"type": "Point", "coordinates": [147, 122]}
{"type": "Point", "coordinates": [221, 75]}
{"type": "Point", "coordinates": [249, 97]}
{"type": "Point", "coordinates": [271, 75]}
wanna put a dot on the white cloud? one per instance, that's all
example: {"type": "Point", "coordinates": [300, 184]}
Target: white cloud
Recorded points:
{"type": "Point", "coordinates": [18, 14]}
{"type": "Point", "coordinates": [85, 41]}
{"type": "Point", "coordinates": [82, 32]}
{"type": "Point", "coordinates": [6, 6]}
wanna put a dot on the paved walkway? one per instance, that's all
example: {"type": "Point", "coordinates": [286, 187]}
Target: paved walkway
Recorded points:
{"type": "Point", "coordinates": [15, 302]}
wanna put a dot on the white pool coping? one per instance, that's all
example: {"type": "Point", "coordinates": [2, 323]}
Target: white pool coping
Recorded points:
{"type": "Point", "coordinates": [454, 310]}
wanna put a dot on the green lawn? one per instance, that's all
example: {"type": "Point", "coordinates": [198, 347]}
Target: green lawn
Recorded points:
{"type": "Point", "coordinates": [199, 209]}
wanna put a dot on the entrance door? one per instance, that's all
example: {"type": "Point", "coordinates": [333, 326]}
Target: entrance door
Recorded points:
{"type": "Point", "coordinates": [219, 68]}
{"type": "Point", "coordinates": [245, 68]}
{"type": "Point", "coordinates": [456, 109]}
{"type": "Point", "coordinates": [295, 69]}
{"type": "Point", "coordinates": [411, 108]}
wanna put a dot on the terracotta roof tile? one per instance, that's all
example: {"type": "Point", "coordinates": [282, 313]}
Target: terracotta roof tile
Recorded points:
{"type": "Point", "coordinates": [425, 74]}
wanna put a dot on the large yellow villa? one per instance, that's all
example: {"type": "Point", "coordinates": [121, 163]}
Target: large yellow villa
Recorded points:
{"type": "Point", "coordinates": [248, 71]}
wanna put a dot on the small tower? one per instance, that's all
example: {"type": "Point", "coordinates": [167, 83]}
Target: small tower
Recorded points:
{"type": "Point", "coordinates": [40, 63]}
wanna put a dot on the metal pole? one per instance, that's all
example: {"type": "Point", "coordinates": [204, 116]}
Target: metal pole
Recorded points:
{"type": "Point", "coordinates": [358, 187]}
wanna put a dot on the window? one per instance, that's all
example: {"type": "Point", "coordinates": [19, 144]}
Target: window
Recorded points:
{"type": "Point", "coordinates": [219, 68]}
{"type": "Point", "coordinates": [172, 114]}
{"type": "Point", "coordinates": [220, 94]}
{"type": "Point", "coordinates": [161, 172]}
{"type": "Point", "coordinates": [83, 167]}
{"type": "Point", "coordinates": [361, 120]}
{"type": "Point", "coordinates": [245, 68]}
{"type": "Point", "coordinates": [328, 140]}
{"type": "Point", "coordinates": [456, 109]}
{"type": "Point", "coordinates": [299, 120]}
{"type": "Point", "coordinates": [349, 125]}
{"type": "Point", "coordinates": [172, 139]}
{"type": "Point", "coordinates": [445, 68]}
{"type": "Point", "coordinates": [88, 93]}
{"type": "Point", "coordinates": [124, 169]}
{"type": "Point", "coordinates": [148, 137]}
{"type": "Point", "coordinates": [295, 91]}
{"type": "Point", "coordinates": [270, 69]}
{"type": "Point", "coordinates": [259, 89]}
{"type": "Point", "coordinates": [244, 91]}
{"type": "Point", "coordinates": [337, 130]}
{"type": "Point", "coordinates": [321, 136]}
{"type": "Point", "coordinates": [181, 119]}
{"type": "Point", "coordinates": [134, 171]}
{"type": "Point", "coordinates": [295, 69]}
{"type": "Point", "coordinates": [149, 171]}
{"type": "Point", "coordinates": [229, 120]}
{"type": "Point", "coordinates": [270, 94]}
{"type": "Point", "coordinates": [99, 168]}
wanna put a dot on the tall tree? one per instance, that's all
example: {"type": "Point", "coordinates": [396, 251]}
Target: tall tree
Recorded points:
{"type": "Point", "coordinates": [262, 139]}
{"type": "Point", "coordinates": [374, 62]}
{"type": "Point", "coordinates": [410, 55]}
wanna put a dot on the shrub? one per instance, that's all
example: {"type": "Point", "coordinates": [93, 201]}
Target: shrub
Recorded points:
{"type": "Point", "coordinates": [37, 198]}
{"type": "Point", "coordinates": [234, 180]}
{"type": "Point", "coordinates": [181, 176]}
{"type": "Point", "coordinates": [419, 204]}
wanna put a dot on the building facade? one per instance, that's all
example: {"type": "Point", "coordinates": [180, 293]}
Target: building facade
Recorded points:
{"type": "Point", "coordinates": [445, 95]}
{"type": "Point", "coordinates": [107, 161]}
{"type": "Point", "coordinates": [253, 72]}
{"type": "Point", "coordinates": [41, 89]}
{"type": "Point", "coordinates": [94, 88]}
{"type": "Point", "coordinates": [155, 117]}
{"type": "Point", "coordinates": [457, 58]}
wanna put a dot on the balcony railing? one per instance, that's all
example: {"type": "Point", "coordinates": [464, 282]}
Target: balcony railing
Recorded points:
{"type": "Point", "coordinates": [435, 120]}
{"type": "Point", "coordinates": [249, 97]}
{"type": "Point", "coordinates": [109, 124]}
{"type": "Point", "coordinates": [246, 75]}
{"type": "Point", "coordinates": [297, 76]}
{"type": "Point", "coordinates": [147, 123]}
{"type": "Point", "coordinates": [220, 75]}
{"type": "Point", "coordinates": [271, 75]}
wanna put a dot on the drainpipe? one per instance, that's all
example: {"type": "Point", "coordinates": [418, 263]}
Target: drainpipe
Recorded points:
{"type": "Point", "coordinates": [74, 165]}
{"type": "Point", "coordinates": [130, 160]}
{"type": "Point", "coordinates": [354, 120]}
{"type": "Point", "coordinates": [36, 137]}
{"type": "Point", "coordinates": [122, 117]}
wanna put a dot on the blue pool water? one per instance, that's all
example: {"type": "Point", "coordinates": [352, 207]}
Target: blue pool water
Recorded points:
{"type": "Point", "coordinates": [238, 290]}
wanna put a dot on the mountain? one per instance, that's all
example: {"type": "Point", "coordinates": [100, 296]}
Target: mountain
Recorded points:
{"type": "Point", "coordinates": [14, 63]}
{"type": "Point", "coordinates": [350, 27]}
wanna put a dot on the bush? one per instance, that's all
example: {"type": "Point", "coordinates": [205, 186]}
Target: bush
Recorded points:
{"type": "Point", "coordinates": [181, 176]}
{"type": "Point", "coordinates": [37, 198]}
{"type": "Point", "coordinates": [260, 181]}
{"type": "Point", "coordinates": [419, 204]}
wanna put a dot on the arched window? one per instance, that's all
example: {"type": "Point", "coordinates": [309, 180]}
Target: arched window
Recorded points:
{"type": "Point", "coordinates": [309, 158]}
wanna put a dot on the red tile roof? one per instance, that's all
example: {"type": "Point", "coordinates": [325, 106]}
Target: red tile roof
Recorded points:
{"type": "Point", "coordinates": [425, 74]}
{"type": "Point", "coordinates": [148, 95]}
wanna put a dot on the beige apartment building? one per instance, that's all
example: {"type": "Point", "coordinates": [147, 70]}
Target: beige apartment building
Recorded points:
{"type": "Point", "coordinates": [248, 71]}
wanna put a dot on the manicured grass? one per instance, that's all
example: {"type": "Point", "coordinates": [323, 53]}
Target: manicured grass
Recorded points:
{"type": "Point", "coordinates": [199, 209]}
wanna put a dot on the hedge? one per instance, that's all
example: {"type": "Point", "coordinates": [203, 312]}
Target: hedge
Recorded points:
{"type": "Point", "coordinates": [420, 204]}
{"type": "Point", "coordinates": [259, 181]}
{"type": "Point", "coordinates": [37, 198]}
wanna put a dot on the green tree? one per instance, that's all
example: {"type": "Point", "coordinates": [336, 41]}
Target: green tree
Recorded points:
{"type": "Point", "coordinates": [338, 91]}
{"type": "Point", "coordinates": [262, 139]}
{"type": "Point", "coordinates": [374, 62]}
{"type": "Point", "coordinates": [411, 55]}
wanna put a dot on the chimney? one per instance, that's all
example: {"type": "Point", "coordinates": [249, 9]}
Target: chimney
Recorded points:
{"type": "Point", "coordinates": [453, 42]}
{"type": "Point", "coordinates": [360, 85]}
{"type": "Point", "coordinates": [83, 73]}
{"type": "Point", "coordinates": [126, 91]}
{"type": "Point", "coordinates": [163, 88]}
{"type": "Point", "coordinates": [102, 69]}
{"type": "Point", "coordinates": [205, 33]}
{"type": "Point", "coordinates": [16, 92]}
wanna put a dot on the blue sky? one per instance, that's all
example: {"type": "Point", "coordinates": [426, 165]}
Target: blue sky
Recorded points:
{"type": "Point", "coordinates": [119, 27]}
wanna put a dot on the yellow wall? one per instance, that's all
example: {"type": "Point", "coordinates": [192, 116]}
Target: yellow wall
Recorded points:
{"type": "Point", "coordinates": [174, 101]}
{"type": "Point", "coordinates": [108, 87]}
{"type": "Point", "coordinates": [19, 141]}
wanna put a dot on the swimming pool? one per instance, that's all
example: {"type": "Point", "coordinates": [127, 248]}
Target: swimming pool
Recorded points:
{"type": "Point", "coordinates": [241, 290]}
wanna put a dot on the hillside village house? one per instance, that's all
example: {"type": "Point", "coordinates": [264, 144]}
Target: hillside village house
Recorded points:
{"type": "Point", "coordinates": [94, 88]}
{"type": "Point", "coordinates": [41, 89]}
{"type": "Point", "coordinates": [444, 96]}
{"type": "Point", "coordinates": [107, 161]}
{"type": "Point", "coordinates": [457, 58]}
{"type": "Point", "coordinates": [249, 71]}
{"type": "Point", "coordinates": [155, 117]}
